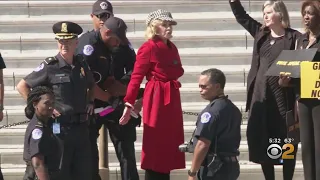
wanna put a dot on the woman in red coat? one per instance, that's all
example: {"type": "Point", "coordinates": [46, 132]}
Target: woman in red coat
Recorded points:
{"type": "Point", "coordinates": [158, 60]}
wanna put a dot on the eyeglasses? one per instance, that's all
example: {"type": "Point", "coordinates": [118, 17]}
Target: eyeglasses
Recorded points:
{"type": "Point", "coordinates": [103, 16]}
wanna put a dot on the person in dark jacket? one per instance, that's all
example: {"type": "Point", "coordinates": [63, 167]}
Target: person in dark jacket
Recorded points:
{"type": "Point", "coordinates": [308, 109]}
{"type": "Point", "coordinates": [267, 102]}
{"type": "Point", "coordinates": [118, 61]}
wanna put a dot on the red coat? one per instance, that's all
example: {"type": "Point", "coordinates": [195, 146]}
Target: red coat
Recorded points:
{"type": "Point", "coordinates": [162, 113]}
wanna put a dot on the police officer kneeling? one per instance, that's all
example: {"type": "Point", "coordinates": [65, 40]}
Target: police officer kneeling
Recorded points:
{"type": "Point", "coordinates": [217, 136]}
{"type": "Point", "coordinates": [42, 152]}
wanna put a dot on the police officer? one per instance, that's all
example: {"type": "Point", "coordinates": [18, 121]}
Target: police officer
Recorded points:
{"type": "Point", "coordinates": [217, 136]}
{"type": "Point", "coordinates": [119, 61]}
{"type": "Point", "coordinates": [42, 152]}
{"type": "Point", "coordinates": [72, 82]}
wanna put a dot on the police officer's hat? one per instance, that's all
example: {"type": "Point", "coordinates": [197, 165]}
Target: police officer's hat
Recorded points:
{"type": "Point", "coordinates": [102, 6]}
{"type": "Point", "coordinates": [66, 30]}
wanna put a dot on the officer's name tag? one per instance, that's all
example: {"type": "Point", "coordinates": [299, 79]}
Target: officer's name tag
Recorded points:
{"type": "Point", "coordinates": [56, 128]}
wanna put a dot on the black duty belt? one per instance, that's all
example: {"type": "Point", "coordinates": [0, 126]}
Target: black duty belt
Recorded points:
{"type": "Point", "coordinates": [229, 159]}
{"type": "Point", "coordinates": [72, 119]}
{"type": "Point", "coordinates": [223, 158]}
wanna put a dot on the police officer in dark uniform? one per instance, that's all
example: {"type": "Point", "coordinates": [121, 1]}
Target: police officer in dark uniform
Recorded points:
{"type": "Point", "coordinates": [72, 82]}
{"type": "Point", "coordinates": [217, 136]}
{"type": "Point", "coordinates": [42, 152]}
{"type": "Point", "coordinates": [111, 63]}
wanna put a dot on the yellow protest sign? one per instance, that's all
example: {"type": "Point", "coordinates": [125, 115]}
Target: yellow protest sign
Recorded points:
{"type": "Point", "coordinates": [310, 79]}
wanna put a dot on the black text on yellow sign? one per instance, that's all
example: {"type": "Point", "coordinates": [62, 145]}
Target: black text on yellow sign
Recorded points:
{"type": "Point", "coordinates": [310, 79]}
{"type": "Point", "coordinates": [274, 151]}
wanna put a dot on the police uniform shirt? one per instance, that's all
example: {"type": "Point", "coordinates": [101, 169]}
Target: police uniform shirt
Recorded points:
{"type": "Point", "coordinates": [39, 140]}
{"type": "Point", "coordinates": [69, 83]}
{"type": "Point", "coordinates": [96, 54]}
{"type": "Point", "coordinates": [220, 118]}
{"type": "Point", "coordinates": [124, 58]}
{"type": "Point", "coordinates": [2, 64]}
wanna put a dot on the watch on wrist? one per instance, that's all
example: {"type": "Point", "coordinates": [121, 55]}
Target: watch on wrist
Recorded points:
{"type": "Point", "coordinates": [191, 174]}
{"type": "Point", "coordinates": [1, 107]}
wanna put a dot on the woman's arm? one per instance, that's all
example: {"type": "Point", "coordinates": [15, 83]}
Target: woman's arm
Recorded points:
{"type": "Point", "coordinates": [251, 25]}
{"type": "Point", "coordinates": [141, 68]}
{"type": "Point", "coordinates": [39, 167]}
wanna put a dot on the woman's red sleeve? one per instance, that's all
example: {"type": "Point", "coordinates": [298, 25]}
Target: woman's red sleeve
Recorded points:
{"type": "Point", "coordinates": [141, 67]}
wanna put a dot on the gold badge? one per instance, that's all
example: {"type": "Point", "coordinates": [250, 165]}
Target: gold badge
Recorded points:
{"type": "Point", "coordinates": [64, 27]}
{"type": "Point", "coordinates": [82, 72]}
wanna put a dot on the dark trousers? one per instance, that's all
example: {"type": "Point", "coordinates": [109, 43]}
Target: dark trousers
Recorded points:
{"type": "Point", "coordinates": [76, 162]}
{"type": "Point", "coordinates": [309, 117]}
{"type": "Point", "coordinates": [30, 174]}
{"type": "Point", "coordinates": [153, 175]}
{"type": "Point", "coordinates": [228, 171]}
{"type": "Point", "coordinates": [123, 138]}
{"type": "Point", "coordinates": [288, 168]}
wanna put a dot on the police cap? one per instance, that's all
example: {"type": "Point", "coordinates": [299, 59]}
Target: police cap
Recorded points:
{"type": "Point", "coordinates": [102, 6]}
{"type": "Point", "coordinates": [118, 27]}
{"type": "Point", "coordinates": [66, 30]}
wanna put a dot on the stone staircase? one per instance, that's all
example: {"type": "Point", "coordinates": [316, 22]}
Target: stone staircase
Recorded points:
{"type": "Point", "coordinates": [207, 36]}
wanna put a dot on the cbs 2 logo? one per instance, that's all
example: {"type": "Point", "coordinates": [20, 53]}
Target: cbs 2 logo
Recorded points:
{"type": "Point", "coordinates": [275, 151]}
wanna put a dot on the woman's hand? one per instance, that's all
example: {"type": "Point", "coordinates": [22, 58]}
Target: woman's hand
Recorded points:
{"type": "Point", "coordinates": [284, 80]}
{"type": "Point", "coordinates": [125, 116]}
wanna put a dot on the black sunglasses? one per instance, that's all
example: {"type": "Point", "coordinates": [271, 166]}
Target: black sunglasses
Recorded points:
{"type": "Point", "coordinates": [103, 16]}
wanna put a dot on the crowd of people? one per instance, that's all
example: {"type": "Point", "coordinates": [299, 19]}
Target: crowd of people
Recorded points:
{"type": "Point", "coordinates": [95, 80]}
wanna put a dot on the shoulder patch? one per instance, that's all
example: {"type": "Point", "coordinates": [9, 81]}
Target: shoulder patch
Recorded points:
{"type": "Point", "coordinates": [39, 68]}
{"type": "Point", "coordinates": [87, 50]}
{"type": "Point", "coordinates": [36, 134]}
{"type": "Point", "coordinates": [205, 117]}
{"type": "Point", "coordinates": [50, 60]}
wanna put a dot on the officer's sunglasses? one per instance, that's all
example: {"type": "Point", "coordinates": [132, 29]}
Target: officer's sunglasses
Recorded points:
{"type": "Point", "coordinates": [103, 16]}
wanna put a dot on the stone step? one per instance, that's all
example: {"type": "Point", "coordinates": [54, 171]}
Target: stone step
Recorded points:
{"type": "Point", "coordinates": [210, 21]}
{"type": "Point", "coordinates": [189, 93]}
{"type": "Point", "coordinates": [189, 56]}
{"type": "Point", "coordinates": [13, 76]}
{"type": "Point", "coordinates": [14, 135]}
{"type": "Point", "coordinates": [15, 114]}
{"type": "Point", "coordinates": [233, 73]}
{"type": "Point", "coordinates": [57, 7]}
{"type": "Point", "coordinates": [13, 154]}
{"type": "Point", "coordinates": [182, 39]}
{"type": "Point", "coordinates": [248, 171]}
